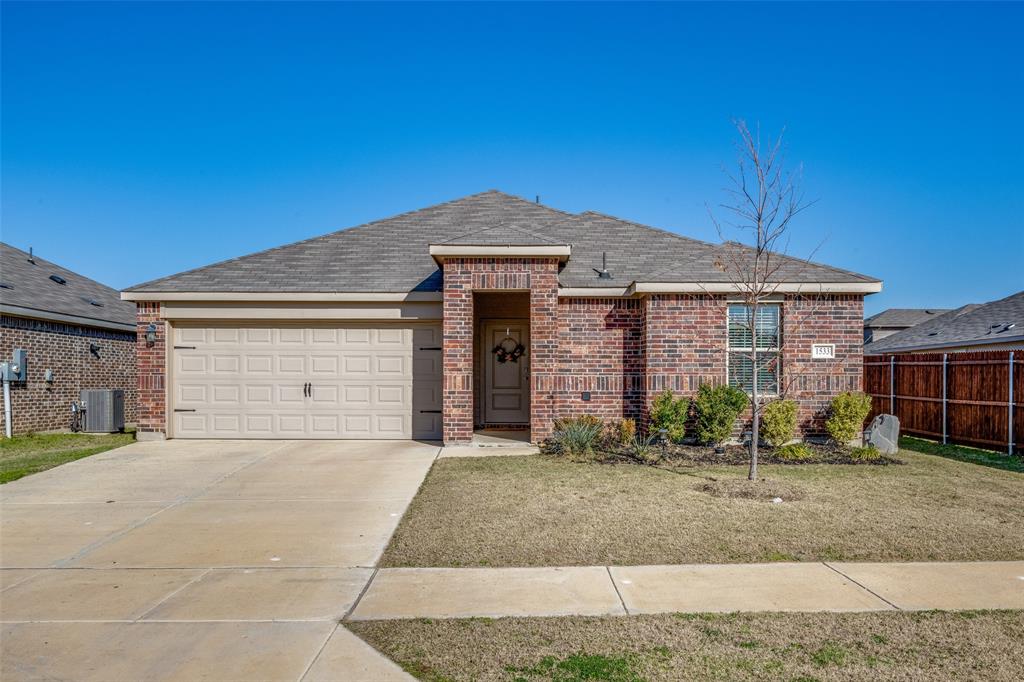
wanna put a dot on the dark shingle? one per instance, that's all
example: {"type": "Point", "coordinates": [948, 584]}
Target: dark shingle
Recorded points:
{"type": "Point", "coordinates": [29, 287]}
{"type": "Point", "coordinates": [392, 255]}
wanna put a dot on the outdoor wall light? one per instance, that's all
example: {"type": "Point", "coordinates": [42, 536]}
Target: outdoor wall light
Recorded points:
{"type": "Point", "coordinates": [48, 376]}
{"type": "Point", "coordinates": [151, 334]}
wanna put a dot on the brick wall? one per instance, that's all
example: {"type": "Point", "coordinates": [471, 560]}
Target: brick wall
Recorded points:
{"type": "Point", "coordinates": [464, 276]}
{"type": "Point", "coordinates": [685, 342]}
{"type": "Point", "coordinates": [601, 351]}
{"type": "Point", "coordinates": [152, 361]}
{"type": "Point", "coordinates": [837, 319]}
{"type": "Point", "coordinates": [66, 349]}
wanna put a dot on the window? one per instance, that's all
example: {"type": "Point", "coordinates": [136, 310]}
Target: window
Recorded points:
{"type": "Point", "coordinates": [741, 343]}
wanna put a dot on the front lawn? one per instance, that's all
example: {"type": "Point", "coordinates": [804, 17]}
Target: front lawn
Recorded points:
{"type": "Point", "coordinates": [24, 455]}
{"type": "Point", "coordinates": [546, 511]}
{"type": "Point", "coordinates": [969, 645]}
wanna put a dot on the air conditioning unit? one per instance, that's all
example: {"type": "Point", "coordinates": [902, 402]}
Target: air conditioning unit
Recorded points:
{"type": "Point", "coordinates": [103, 410]}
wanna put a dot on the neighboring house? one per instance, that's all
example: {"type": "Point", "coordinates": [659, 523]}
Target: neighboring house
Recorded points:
{"type": "Point", "coordinates": [487, 311]}
{"type": "Point", "coordinates": [998, 325]}
{"type": "Point", "coordinates": [888, 322]}
{"type": "Point", "coordinates": [77, 329]}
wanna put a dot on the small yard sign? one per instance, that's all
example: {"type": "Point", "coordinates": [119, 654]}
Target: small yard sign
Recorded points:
{"type": "Point", "coordinates": [823, 351]}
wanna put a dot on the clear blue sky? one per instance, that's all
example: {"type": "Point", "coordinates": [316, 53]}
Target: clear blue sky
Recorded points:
{"type": "Point", "coordinates": [140, 140]}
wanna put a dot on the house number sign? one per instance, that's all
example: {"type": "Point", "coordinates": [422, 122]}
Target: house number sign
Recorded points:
{"type": "Point", "coordinates": [823, 351]}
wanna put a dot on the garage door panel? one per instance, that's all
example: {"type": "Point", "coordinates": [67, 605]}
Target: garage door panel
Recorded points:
{"type": "Point", "coordinates": [363, 382]}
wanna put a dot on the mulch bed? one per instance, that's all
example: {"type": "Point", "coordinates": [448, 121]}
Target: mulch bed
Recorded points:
{"type": "Point", "coordinates": [686, 454]}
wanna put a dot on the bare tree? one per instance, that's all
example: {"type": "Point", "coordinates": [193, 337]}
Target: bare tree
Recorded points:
{"type": "Point", "coordinates": [763, 199]}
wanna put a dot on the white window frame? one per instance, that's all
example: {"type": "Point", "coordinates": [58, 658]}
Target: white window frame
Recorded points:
{"type": "Point", "coordinates": [777, 349]}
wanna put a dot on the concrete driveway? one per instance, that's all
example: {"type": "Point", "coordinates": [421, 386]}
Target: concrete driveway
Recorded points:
{"type": "Point", "coordinates": [200, 560]}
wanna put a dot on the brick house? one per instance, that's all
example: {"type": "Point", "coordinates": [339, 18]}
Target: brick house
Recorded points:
{"type": "Point", "coordinates": [77, 329]}
{"type": "Point", "coordinates": [484, 312]}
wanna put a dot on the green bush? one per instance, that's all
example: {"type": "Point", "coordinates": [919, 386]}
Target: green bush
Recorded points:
{"type": "Point", "coordinates": [717, 408]}
{"type": "Point", "coordinates": [849, 410]}
{"type": "Point", "coordinates": [778, 422]}
{"type": "Point", "coordinates": [576, 436]}
{"type": "Point", "coordinates": [868, 453]}
{"type": "Point", "coordinates": [669, 413]}
{"type": "Point", "coordinates": [795, 452]}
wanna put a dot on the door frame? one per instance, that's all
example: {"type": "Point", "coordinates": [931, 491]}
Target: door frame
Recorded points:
{"type": "Point", "coordinates": [485, 352]}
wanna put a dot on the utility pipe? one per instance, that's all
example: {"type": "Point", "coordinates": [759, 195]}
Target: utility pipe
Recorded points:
{"type": "Point", "coordinates": [7, 408]}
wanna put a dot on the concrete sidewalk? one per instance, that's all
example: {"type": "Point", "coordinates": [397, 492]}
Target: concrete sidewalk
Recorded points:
{"type": "Point", "coordinates": [601, 590]}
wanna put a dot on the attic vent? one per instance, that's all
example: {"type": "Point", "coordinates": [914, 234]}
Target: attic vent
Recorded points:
{"type": "Point", "coordinates": [58, 279]}
{"type": "Point", "coordinates": [91, 301]}
{"type": "Point", "coordinates": [5, 285]}
{"type": "Point", "coordinates": [933, 333]}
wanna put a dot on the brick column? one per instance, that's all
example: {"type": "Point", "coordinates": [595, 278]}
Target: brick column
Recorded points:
{"type": "Point", "coordinates": [457, 413]}
{"type": "Point", "coordinates": [543, 348]}
{"type": "Point", "coordinates": [152, 365]}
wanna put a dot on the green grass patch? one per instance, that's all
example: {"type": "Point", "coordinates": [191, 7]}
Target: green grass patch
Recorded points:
{"type": "Point", "coordinates": [963, 453]}
{"type": "Point", "coordinates": [32, 453]}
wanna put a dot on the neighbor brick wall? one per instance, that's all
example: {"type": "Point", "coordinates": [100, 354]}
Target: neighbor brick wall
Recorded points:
{"type": "Point", "coordinates": [65, 349]}
{"type": "Point", "coordinates": [601, 351]}
{"type": "Point", "coordinates": [463, 276]}
{"type": "Point", "coordinates": [152, 361]}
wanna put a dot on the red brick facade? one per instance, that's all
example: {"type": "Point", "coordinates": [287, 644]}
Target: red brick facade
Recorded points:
{"type": "Point", "coordinates": [152, 371]}
{"type": "Point", "coordinates": [80, 358]}
{"type": "Point", "coordinates": [462, 277]}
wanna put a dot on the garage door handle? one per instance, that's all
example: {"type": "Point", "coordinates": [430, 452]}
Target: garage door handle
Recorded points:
{"type": "Point", "coordinates": [184, 348]}
{"type": "Point", "coordinates": [306, 389]}
{"type": "Point", "coordinates": [178, 409]}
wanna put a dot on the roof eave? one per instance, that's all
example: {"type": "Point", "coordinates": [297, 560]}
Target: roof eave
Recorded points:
{"type": "Point", "coordinates": [946, 344]}
{"type": "Point", "coordinates": [65, 318]}
{"type": "Point", "coordinates": [733, 288]}
{"type": "Point", "coordinates": [305, 296]}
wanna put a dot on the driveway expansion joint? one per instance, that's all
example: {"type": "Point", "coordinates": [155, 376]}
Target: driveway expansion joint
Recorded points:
{"type": "Point", "coordinates": [615, 585]}
{"type": "Point", "coordinates": [861, 585]}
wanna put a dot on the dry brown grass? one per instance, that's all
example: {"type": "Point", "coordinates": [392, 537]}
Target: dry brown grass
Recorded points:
{"type": "Point", "coordinates": [542, 511]}
{"type": "Point", "coordinates": [795, 646]}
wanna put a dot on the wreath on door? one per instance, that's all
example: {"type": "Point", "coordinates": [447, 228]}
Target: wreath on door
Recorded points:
{"type": "Point", "coordinates": [509, 350]}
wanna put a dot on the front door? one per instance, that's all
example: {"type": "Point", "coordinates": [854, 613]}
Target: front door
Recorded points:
{"type": "Point", "coordinates": [506, 351]}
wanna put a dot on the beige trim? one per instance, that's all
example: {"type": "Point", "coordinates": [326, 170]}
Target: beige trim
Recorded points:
{"type": "Point", "coordinates": [306, 312]}
{"type": "Point", "coordinates": [440, 251]}
{"type": "Point", "coordinates": [32, 313]}
{"type": "Point", "coordinates": [781, 288]}
{"type": "Point", "coordinates": [594, 292]}
{"type": "Point", "coordinates": [417, 296]}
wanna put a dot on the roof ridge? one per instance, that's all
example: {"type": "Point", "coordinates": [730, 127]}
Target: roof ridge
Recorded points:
{"type": "Point", "coordinates": [507, 225]}
{"type": "Point", "coordinates": [311, 239]}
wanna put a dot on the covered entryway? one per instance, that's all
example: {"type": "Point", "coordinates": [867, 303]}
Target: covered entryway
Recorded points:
{"type": "Point", "coordinates": [333, 380]}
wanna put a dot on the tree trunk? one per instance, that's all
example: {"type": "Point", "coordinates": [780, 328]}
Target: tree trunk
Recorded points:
{"type": "Point", "coordinates": [755, 427]}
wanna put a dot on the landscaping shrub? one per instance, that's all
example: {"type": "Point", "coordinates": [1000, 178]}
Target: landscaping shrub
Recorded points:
{"type": "Point", "coordinates": [717, 408]}
{"type": "Point", "coordinates": [795, 452]}
{"type": "Point", "coordinates": [669, 413]}
{"type": "Point", "coordinates": [868, 453]}
{"type": "Point", "coordinates": [778, 422]}
{"type": "Point", "coordinates": [620, 432]}
{"type": "Point", "coordinates": [849, 410]}
{"type": "Point", "coordinates": [576, 436]}
{"type": "Point", "coordinates": [643, 448]}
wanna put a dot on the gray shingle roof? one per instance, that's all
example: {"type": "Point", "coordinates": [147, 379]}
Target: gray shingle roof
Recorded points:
{"type": "Point", "coordinates": [32, 293]}
{"type": "Point", "coordinates": [903, 317]}
{"type": "Point", "coordinates": [392, 255]}
{"type": "Point", "coordinates": [1000, 321]}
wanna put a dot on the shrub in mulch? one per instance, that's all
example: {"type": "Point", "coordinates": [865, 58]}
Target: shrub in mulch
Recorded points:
{"type": "Point", "coordinates": [680, 454]}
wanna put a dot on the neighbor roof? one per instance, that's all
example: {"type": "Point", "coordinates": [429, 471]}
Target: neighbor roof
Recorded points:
{"type": "Point", "coordinates": [393, 255]}
{"type": "Point", "coordinates": [902, 318]}
{"type": "Point", "coordinates": [29, 291]}
{"type": "Point", "coordinates": [1000, 321]}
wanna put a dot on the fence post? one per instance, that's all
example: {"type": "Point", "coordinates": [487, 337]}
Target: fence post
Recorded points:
{"type": "Point", "coordinates": [1011, 403]}
{"type": "Point", "coordinates": [892, 384]}
{"type": "Point", "coordinates": [945, 357]}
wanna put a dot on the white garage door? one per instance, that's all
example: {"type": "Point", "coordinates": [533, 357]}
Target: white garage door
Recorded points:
{"type": "Point", "coordinates": [351, 381]}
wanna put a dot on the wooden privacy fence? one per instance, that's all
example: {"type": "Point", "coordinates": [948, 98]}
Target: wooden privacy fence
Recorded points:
{"type": "Point", "coordinates": [969, 398]}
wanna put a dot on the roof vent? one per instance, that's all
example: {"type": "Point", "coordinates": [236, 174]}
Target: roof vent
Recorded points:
{"type": "Point", "coordinates": [92, 301]}
{"type": "Point", "coordinates": [30, 258]}
{"type": "Point", "coordinates": [933, 333]}
{"type": "Point", "coordinates": [603, 272]}
{"type": "Point", "coordinates": [58, 279]}
{"type": "Point", "coordinates": [5, 285]}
